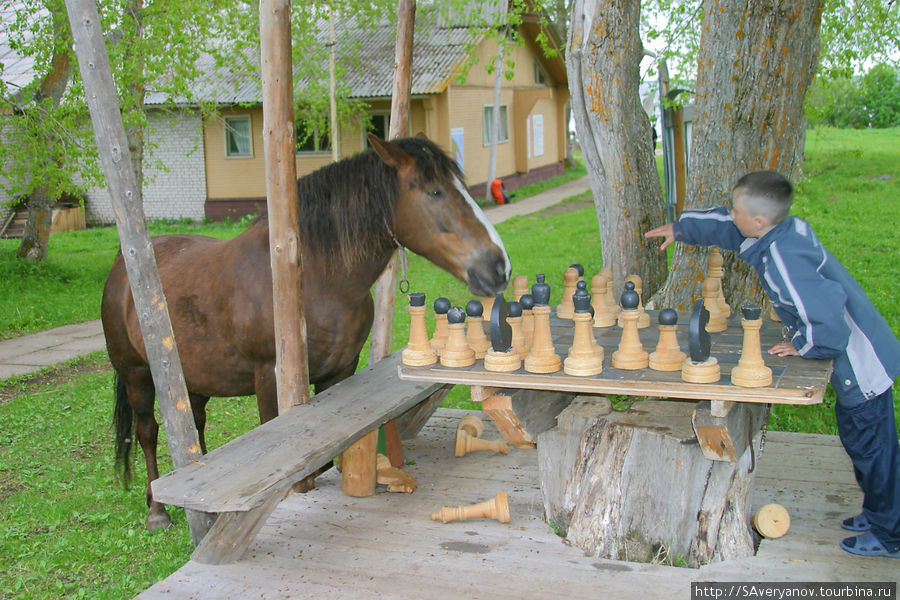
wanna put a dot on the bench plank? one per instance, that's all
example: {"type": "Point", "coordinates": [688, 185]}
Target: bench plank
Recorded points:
{"type": "Point", "coordinates": [246, 471]}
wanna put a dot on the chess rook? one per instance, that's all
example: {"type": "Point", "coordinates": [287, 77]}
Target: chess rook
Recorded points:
{"type": "Point", "coordinates": [668, 355]}
{"type": "Point", "coordinates": [717, 321]}
{"type": "Point", "coordinates": [751, 370]}
{"type": "Point", "coordinates": [541, 357]}
{"type": "Point", "coordinates": [457, 352]}
{"type": "Point", "coordinates": [496, 508]}
{"type": "Point", "coordinates": [585, 356]}
{"type": "Point", "coordinates": [439, 339]}
{"type": "Point", "coordinates": [418, 352]}
{"type": "Point", "coordinates": [631, 354]}
{"type": "Point", "coordinates": [475, 336]}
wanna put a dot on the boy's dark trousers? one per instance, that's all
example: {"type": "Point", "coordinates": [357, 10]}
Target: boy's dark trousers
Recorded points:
{"type": "Point", "coordinates": [869, 434]}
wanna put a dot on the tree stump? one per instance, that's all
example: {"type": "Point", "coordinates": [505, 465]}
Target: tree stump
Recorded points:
{"type": "Point", "coordinates": [635, 485]}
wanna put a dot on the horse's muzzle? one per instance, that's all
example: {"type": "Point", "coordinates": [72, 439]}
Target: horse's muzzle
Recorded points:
{"type": "Point", "coordinates": [488, 275]}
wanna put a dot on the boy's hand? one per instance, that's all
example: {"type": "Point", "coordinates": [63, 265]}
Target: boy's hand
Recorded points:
{"type": "Point", "coordinates": [784, 349]}
{"type": "Point", "coordinates": [666, 231]}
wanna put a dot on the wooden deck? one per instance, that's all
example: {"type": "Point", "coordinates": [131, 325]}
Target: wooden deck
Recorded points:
{"type": "Point", "coordinates": [326, 545]}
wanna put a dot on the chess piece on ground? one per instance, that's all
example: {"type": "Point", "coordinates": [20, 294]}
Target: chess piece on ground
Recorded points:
{"type": "Point", "coordinates": [643, 319]}
{"type": "Point", "coordinates": [603, 313]}
{"type": "Point", "coordinates": [751, 370]}
{"type": "Point", "coordinates": [541, 357]}
{"type": "Point", "coordinates": [395, 479]}
{"type": "Point", "coordinates": [515, 324]}
{"type": "Point", "coordinates": [496, 508]}
{"type": "Point", "coordinates": [501, 357]}
{"type": "Point", "coordinates": [439, 339]}
{"type": "Point", "coordinates": [520, 286]}
{"type": "Point", "coordinates": [711, 302]}
{"type": "Point", "coordinates": [468, 438]}
{"type": "Point", "coordinates": [418, 352]}
{"type": "Point", "coordinates": [527, 302]}
{"type": "Point", "coordinates": [585, 356]}
{"type": "Point", "coordinates": [771, 521]}
{"type": "Point", "coordinates": [699, 366]}
{"type": "Point", "coordinates": [475, 329]}
{"type": "Point", "coordinates": [667, 356]}
{"type": "Point", "coordinates": [457, 352]}
{"type": "Point", "coordinates": [714, 270]}
{"type": "Point", "coordinates": [571, 277]}
{"type": "Point", "coordinates": [631, 354]}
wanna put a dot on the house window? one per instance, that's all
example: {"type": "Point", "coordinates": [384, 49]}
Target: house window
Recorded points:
{"type": "Point", "coordinates": [313, 137]}
{"type": "Point", "coordinates": [238, 141]}
{"type": "Point", "coordinates": [380, 125]}
{"type": "Point", "coordinates": [488, 121]}
{"type": "Point", "coordinates": [540, 75]}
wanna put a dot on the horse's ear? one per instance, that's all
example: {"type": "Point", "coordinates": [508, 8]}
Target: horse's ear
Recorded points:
{"type": "Point", "coordinates": [392, 154]}
{"type": "Point", "coordinates": [422, 135]}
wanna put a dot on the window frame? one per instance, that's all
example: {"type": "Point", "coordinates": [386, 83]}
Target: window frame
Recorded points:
{"type": "Point", "coordinates": [228, 130]}
{"type": "Point", "coordinates": [487, 114]}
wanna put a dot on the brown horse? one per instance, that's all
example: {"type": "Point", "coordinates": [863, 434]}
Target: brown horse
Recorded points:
{"type": "Point", "coordinates": [352, 213]}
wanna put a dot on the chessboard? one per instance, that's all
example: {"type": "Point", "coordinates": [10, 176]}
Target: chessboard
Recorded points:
{"type": "Point", "coordinates": [795, 380]}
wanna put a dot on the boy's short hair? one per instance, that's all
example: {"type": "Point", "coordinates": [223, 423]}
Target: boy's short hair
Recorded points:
{"type": "Point", "coordinates": [765, 193]}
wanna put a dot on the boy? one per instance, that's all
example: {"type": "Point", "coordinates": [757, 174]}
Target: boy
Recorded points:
{"type": "Point", "coordinates": [831, 317]}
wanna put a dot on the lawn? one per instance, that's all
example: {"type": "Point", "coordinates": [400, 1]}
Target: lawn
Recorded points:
{"type": "Point", "coordinates": [69, 529]}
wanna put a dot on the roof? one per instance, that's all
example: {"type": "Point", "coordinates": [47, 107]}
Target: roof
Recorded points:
{"type": "Point", "coordinates": [16, 70]}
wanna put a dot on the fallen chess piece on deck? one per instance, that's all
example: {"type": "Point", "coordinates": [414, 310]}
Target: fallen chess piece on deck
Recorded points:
{"type": "Point", "coordinates": [468, 438]}
{"type": "Point", "coordinates": [771, 521]}
{"type": "Point", "coordinates": [496, 508]}
{"type": "Point", "coordinates": [395, 479]}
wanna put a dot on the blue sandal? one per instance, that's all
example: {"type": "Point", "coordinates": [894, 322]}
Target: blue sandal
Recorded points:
{"type": "Point", "coordinates": [858, 523]}
{"type": "Point", "coordinates": [867, 544]}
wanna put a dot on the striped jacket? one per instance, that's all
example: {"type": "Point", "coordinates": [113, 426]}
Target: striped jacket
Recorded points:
{"type": "Point", "coordinates": [814, 296]}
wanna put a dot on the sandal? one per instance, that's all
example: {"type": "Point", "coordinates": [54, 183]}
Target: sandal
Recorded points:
{"type": "Point", "coordinates": [858, 523]}
{"type": "Point", "coordinates": [867, 544]}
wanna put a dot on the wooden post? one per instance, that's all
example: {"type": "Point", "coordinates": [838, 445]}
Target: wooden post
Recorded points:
{"type": "Point", "coordinates": [281, 189]}
{"type": "Point", "coordinates": [137, 250]}
{"type": "Point", "coordinates": [680, 157]}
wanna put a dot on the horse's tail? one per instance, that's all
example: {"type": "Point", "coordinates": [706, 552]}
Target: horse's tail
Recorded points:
{"type": "Point", "coordinates": [123, 421]}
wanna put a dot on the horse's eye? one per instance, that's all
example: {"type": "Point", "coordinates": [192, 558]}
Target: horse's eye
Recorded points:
{"type": "Point", "coordinates": [437, 194]}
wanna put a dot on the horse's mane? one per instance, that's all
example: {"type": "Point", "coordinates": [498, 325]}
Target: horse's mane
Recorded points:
{"type": "Point", "coordinates": [345, 207]}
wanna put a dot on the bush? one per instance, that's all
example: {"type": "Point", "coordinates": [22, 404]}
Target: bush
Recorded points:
{"type": "Point", "coordinates": [872, 100]}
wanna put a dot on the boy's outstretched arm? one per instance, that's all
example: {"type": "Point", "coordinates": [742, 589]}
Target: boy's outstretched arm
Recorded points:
{"type": "Point", "coordinates": [667, 231]}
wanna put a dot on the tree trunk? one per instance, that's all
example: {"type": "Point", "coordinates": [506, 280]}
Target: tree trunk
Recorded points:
{"type": "Point", "coordinates": [36, 237]}
{"type": "Point", "coordinates": [603, 58]}
{"type": "Point", "coordinates": [756, 63]}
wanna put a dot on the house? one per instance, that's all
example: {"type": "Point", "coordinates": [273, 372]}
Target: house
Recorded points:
{"type": "Point", "coordinates": [200, 167]}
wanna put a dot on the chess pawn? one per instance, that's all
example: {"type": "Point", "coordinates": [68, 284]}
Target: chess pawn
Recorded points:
{"type": "Point", "coordinates": [711, 302]}
{"type": "Point", "coordinates": [475, 330]}
{"type": "Point", "coordinates": [714, 270]}
{"type": "Point", "coordinates": [468, 431]}
{"type": "Point", "coordinates": [496, 508]}
{"type": "Point", "coordinates": [541, 357]}
{"type": "Point", "coordinates": [515, 323]}
{"type": "Point", "coordinates": [527, 302]}
{"type": "Point", "coordinates": [668, 355]}
{"type": "Point", "coordinates": [631, 354]}
{"type": "Point", "coordinates": [418, 352]}
{"type": "Point", "coordinates": [520, 286]}
{"type": "Point", "coordinates": [751, 371]}
{"type": "Point", "coordinates": [643, 319]}
{"type": "Point", "coordinates": [439, 339]}
{"type": "Point", "coordinates": [487, 303]}
{"type": "Point", "coordinates": [585, 356]}
{"type": "Point", "coordinates": [603, 314]}
{"type": "Point", "coordinates": [611, 303]}
{"type": "Point", "coordinates": [565, 308]}
{"type": "Point", "coordinates": [457, 352]}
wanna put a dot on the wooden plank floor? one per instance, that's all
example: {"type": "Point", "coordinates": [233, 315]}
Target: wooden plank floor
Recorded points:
{"type": "Point", "coordinates": [326, 545]}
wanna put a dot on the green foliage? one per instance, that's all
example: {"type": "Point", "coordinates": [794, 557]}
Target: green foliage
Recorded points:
{"type": "Point", "coordinates": [872, 100]}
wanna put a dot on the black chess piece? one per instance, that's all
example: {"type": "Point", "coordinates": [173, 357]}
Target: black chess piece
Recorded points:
{"type": "Point", "coordinates": [526, 302]}
{"type": "Point", "coordinates": [668, 316]}
{"type": "Point", "coordinates": [456, 315]}
{"type": "Point", "coordinates": [578, 267]}
{"type": "Point", "coordinates": [751, 312]}
{"type": "Point", "coordinates": [417, 299]}
{"type": "Point", "coordinates": [501, 332]}
{"type": "Point", "coordinates": [582, 299]}
{"type": "Point", "coordinates": [629, 299]}
{"type": "Point", "coordinates": [441, 306]}
{"type": "Point", "coordinates": [698, 337]}
{"type": "Point", "coordinates": [540, 291]}
{"type": "Point", "coordinates": [474, 308]}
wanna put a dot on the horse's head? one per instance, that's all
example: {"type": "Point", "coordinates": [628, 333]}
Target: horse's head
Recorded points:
{"type": "Point", "coordinates": [436, 217]}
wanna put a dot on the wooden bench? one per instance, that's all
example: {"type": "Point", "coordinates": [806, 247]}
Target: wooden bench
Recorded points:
{"type": "Point", "coordinates": [245, 479]}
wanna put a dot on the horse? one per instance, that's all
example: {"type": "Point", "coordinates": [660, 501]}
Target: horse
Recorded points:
{"type": "Point", "coordinates": [353, 215]}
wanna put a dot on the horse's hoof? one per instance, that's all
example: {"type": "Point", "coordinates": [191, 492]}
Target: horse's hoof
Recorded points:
{"type": "Point", "coordinates": [306, 484]}
{"type": "Point", "coordinates": [158, 520]}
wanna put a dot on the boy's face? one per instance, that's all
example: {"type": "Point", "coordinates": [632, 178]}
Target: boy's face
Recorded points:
{"type": "Point", "coordinates": [751, 227]}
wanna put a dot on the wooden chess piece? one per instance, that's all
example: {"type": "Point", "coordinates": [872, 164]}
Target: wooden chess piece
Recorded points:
{"type": "Point", "coordinates": [771, 521]}
{"type": "Point", "coordinates": [439, 339]}
{"type": "Point", "coordinates": [487, 303]}
{"type": "Point", "coordinates": [496, 508]}
{"type": "Point", "coordinates": [395, 479]}
{"type": "Point", "coordinates": [631, 354]}
{"type": "Point", "coordinates": [468, 439]}
{"type": "Point", "coordinates": [475, 329]}
{"type": "Point", "coordinates": [515, 323]}
{"type": "Point", "coordinates": [457, 352]}
{"type": "Point", "coordinates": [571, 277]}
{"type": "Point", "coordinates": [643, 319]}
{"type": "Point", "coordinates": [520, 286]}
{"type": "Point", "coordinates": [603, 314]}
{"type": "Point", "coordinates": [717, 321]}
{"type": "Point", "coordinates": [527, 302]}
{"type": "Point", "coordinates": [585, 356]}
{"type": "Point", "coordinates": [418, 352]}
{"type": "Point", "coordinates": [668, 355]}
{"type": "Point", "coordinates": [751, 370]}
{"type": "Point", "coordinates": [500, 356]}
{"type": "Point", "coordinates": [611, 301]}
{"type": "Point", "coordinates": [541, 357]}
{"type": "Point", "coordinates": [699, 366]}
{"type": "Point", "coordinates": [714, 270]}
